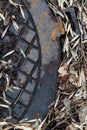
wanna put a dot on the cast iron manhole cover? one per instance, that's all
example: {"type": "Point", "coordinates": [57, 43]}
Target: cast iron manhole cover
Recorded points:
{"type": "Point", "coordinates": [28, 68]}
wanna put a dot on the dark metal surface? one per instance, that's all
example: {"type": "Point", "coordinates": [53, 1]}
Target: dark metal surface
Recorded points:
{"type": "Point", "coordinates": [49, 31]}
{"type": "Point", "coordinates": [71, 12]}
{"type": "Point", "coordinates": [32, 98]}
{"type": "Point", "coordinates": [28, 69]}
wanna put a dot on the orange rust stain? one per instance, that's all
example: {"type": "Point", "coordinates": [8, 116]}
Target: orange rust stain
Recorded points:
{"type": "Point", "coordinates": [45, 13]}
{"type": "Point", "coordinates": [43, 35]}
{"type": "Point", "coordinates": [54, 34]}
{"type": "Point", "coordinates": [41, 21]}
{"type": "Point", "coordinates": [34, 3]}
{"type": "Point", "coordinates": [53, 23]}
{"type": "Point", "coordinates": [60, 29]}
{"type": "Point", "coordinates": [60, 24]}
{"type": "Point", "coordinates": [45, 47]}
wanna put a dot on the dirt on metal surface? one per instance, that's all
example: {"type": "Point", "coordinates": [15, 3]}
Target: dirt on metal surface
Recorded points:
{"type": "Point", "coordinates": [38, 37]}
{"type": "Point", "coordinates": [25, 70]}
{"type": "Point", "coordinates": [49, 32]}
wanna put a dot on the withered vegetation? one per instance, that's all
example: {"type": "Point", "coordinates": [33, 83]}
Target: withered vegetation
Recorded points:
{"type": "Point", "coordinates": [69, 110]}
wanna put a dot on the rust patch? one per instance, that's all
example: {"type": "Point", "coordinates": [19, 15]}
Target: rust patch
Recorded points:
{"type": "Point", "coordinates": [41, 21]}
{"type": "Point", "coordinates": [34, 3]}
{"type": "Point", "coordinates": [60, 24]}
{"type": "Point", "coordinates": [46, 13]}
{"type": "Point", "coordinates": [54, 34]}
{"type": "Point", "coordinates": [59, 29]}
{"type": "Point", "coordinates": [46, 46]}
{"type": "Point", "coordinates": [53, 23]}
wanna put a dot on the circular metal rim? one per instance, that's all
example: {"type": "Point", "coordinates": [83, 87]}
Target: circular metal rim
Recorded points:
{"type": "Point", "coordinates": [39, 70]}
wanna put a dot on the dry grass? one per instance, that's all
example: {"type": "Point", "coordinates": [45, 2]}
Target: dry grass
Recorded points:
{"type": "Point", "coordinates": [69, 110]}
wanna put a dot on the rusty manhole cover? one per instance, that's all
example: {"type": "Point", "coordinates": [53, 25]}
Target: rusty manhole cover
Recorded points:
{"type": "Point", "coordinates": [28, 68]}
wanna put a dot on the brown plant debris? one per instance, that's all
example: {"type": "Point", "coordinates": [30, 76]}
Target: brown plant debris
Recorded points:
{"type": "Point", "coordinates": [11, 14]}
{"type": "Point", "coordinates": [69, 109]}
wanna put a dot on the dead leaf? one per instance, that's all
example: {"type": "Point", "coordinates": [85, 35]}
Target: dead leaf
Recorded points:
{"type": "Point", "coordinates": [5, 31]}
{"type": "Point", "coordinates": [2, 17]}
{"type": "Point", "coordinates": [63, 73]}
{"type": "Point", "coordinates": [82, 78]}
{"type": "Point", "coordinates": [22, 12]}
{"type": "Point", "coordinates": [13, 3]}
{"type": "Point", "coordinates": [82, 82]}
{"type": "Point", "coordinates": [73, 77]}
{"type": "Point", "coordinates": [15, 25]}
